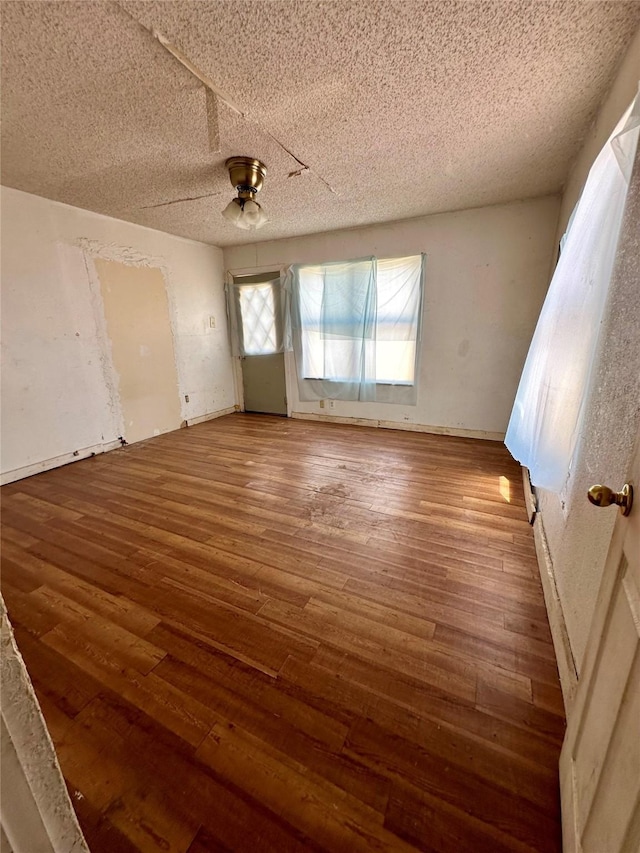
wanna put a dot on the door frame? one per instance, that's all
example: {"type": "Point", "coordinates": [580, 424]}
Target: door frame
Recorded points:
{"type": "Point", "coordinates": [236, 360]}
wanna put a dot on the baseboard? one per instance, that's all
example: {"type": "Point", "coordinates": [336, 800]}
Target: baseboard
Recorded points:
{"type": "Point", "coordinates": [211, 416]}
{"type": "Point", "coordinates": [530, 500]}
{"type": "Point", "coordinates": [57, 461]}
{"type": "Point", "coordinates": [74, 456]}
{"type": "Point", "coordinates": [402, 425]}
{"type": "Point", "coordinates": [564, 656]}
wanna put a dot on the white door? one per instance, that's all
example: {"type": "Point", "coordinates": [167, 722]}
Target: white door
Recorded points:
{"type": "Point", "coordinates": [600, 760]}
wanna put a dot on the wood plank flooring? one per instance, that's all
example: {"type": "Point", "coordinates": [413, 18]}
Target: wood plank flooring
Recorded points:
{"type": "Point", "coordinates": [274, 635]}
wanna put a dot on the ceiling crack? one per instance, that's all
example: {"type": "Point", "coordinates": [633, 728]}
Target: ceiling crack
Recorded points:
{"type": "Point", "coordinates": [177, 201]}
{"type": "Point", "coordinates": [217, 93]}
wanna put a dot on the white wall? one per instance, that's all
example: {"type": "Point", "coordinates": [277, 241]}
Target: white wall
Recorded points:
{"type": "Point", "coordinates": [487, 272]}
{"type": "Point", "coordinates": [577, 535]}
{"type": "Point", "coordinates": [618, 98]}
{"type": "Point", "coordinates": [59, 389]}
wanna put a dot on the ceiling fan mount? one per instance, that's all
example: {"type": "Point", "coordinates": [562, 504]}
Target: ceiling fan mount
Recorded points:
{"type": "Point", "coordinates": [246, 175]}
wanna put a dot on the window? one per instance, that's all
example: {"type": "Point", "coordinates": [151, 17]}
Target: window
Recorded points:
{"type": "Point", "coordinates": [359, 320]}
{"type": "Point", "coordinates": [258, 315]}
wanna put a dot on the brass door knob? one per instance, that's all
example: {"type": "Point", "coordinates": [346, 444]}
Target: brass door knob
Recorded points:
{"type": "Point", "coordinates": [604, 496]}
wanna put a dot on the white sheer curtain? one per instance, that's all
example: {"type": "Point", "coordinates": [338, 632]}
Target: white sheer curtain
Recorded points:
{"type": "Point", "coordinates": [337, 310]}
{"type": "Point", "coordinates": [399, 289]}
{"type": "Point", "coordinates": [549, 407]}
{"type": "Point", "coordinates": [356, 328]}
{"type": "Point", "coordinates": [257, 311]}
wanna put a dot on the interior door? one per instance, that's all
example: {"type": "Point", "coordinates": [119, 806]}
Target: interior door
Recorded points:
{"type": "Point", "coordinates": [258, 311]}
{"type": "Point", "coordinates": [600, 760]}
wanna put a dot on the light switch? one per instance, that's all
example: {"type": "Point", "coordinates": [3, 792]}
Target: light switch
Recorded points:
{"type": "Point", "coordinates": [212, 322]}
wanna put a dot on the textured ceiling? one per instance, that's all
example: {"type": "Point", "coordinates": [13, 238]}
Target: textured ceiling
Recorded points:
{"type": "Point", "coordinates": [397, 109]}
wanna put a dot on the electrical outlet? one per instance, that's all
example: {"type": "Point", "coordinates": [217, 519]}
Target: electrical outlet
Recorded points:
{"type": "Point", "coordinates": [186, 398]}
{"type": "Point", "coordinates": [332, 404]}
{"type": "Point", "coordinates": [212, 322]}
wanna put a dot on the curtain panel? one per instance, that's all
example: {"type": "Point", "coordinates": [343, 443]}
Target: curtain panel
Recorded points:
{"type": "Point", "coordinates": [258, 314]}
{"type": "Point", "coordinates": [356, 328]}
{"type": "Point", "coordinates": [549, 408]}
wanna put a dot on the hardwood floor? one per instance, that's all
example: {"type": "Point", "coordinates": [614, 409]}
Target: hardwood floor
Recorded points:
{"type": "Point", "coordinates": [274, 635]}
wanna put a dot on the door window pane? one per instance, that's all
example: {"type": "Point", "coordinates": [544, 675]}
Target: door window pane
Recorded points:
{"type": "Point", "coordinates": [258, 313]}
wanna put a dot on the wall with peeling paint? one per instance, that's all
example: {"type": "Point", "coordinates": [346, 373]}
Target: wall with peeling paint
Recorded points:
{"type": "Point", "coordinates": [60, 387]}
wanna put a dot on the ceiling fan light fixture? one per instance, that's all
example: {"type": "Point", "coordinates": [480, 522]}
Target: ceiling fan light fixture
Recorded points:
{"type": "Point", "coordinates": [233, 211]}
{"type": "Point", "coordinates": [247, 176]}
{"type": "Point", "coordinates": [253, 214]}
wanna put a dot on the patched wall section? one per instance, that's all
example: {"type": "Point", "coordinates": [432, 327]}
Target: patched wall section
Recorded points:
{"type": "Point", "coordinates": [61, 392]}
{"type": "Point", "coordinates": [141, 344]}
